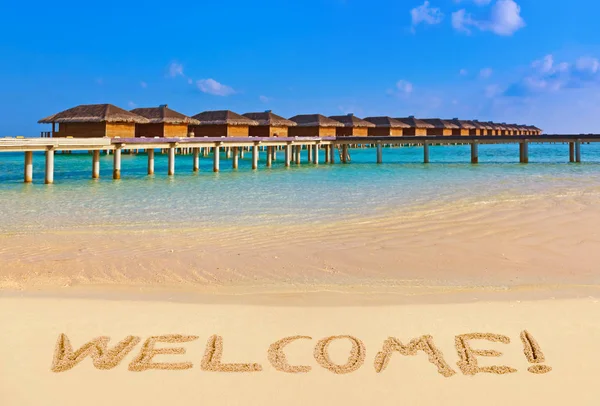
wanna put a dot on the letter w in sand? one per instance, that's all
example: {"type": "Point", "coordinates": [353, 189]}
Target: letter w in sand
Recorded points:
{"type": "Point", "coordinates": [102, 356]}
{"type": "Point", "coordinates": [424, 343]}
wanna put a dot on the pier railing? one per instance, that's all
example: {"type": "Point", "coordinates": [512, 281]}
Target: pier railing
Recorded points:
{"type": "Point", "coordinates": [235, 147]}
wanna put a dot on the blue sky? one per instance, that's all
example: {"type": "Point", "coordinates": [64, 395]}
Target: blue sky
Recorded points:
{"type": "Point", "coordinates": [523, 61]}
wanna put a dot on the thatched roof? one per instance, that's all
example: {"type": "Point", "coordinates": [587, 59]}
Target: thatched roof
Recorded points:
{"type": "Point", "coordinates": [163, 114]}
{"type": "Point", "coordinates": [533, 128]}
{"type": "Point", "coordinates": [350, 120]}
{"type": "Point", "coordinates": [386, 122]}
{"type": "Point", "coordinates": [315, 120]}
{"type": "Point", "coordinates": [439, 123]}
{"type": "Point", "coordinates": [497, 126]}
{"type": "Point", "coordinates": [223, 117]}
{"type": "Point", "coordinates": [462, 124]}
{"type": "Point", "coordinates": [414, 122]}
{"type": "Point", "coordinates": [269, 119]}
{"type": "Point", "coordinates": [94, 113]}
{"type": "Point", "coordinates": [482, 124]}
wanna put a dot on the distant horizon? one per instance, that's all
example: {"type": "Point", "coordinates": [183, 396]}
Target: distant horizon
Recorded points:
{"type": "Point", "coordinates": [488, 60]}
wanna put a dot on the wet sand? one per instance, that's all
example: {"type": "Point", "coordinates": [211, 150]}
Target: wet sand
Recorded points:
{"type": "Point", "coordinates": [537, 244]}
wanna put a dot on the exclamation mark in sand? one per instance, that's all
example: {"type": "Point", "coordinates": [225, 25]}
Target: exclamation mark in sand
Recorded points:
{"type": "Point", "coordinates": [534, 354]}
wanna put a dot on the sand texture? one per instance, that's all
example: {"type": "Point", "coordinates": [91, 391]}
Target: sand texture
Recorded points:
{"type": "Point", "coordinates": [425, 369]}
{"type": "Point", "coordinates": [543, 242]}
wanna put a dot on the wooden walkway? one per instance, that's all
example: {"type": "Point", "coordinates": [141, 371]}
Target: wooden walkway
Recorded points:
{"type": "Point", "coordinates": [292, 148]}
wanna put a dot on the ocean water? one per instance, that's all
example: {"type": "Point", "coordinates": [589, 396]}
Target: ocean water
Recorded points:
{"type": "Point", "coordinates": [280, 195]}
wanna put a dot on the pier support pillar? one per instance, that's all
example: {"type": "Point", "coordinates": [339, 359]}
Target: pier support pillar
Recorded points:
{"type": "Point", "coordinates": [228, 152]}
{"type": "Point", "coordinates": [171, 171]}
{"type": "Point", "coordinates": [316, 148]}
{"type": "Point", "coordinates": [49, 178]}
{"type": "Point", "coordinates": [242, 152]}
{"type": "Point", "coordinates": [150, 161]}
{"type": "Point", "coordinates": [379, 153]}
{"type": "Point", "coordinates": [274, 153]}
{"type": "Point", "coordinates": [524, 151]}
{"type": "Point", "coordinates": [426, 153]}
{"type": "Point", "coordinates": [345, 153]}
{"type": "Point", "coordinates": [269, 157]}
{"type": "Point", "coordinates": [309, 150]}
{"type": "Point", "coordinates": [288, 155]}
{"type": "Point", "coordinates": [236, 156]}
{"type": "Point", "coordinates": [571, 152]}
{"type": "Point", "coordinates": [28, 171]}
{"type": "Point", "coordinates": [216, 158]}
{"type": "Point", "coordinates": [196, 160]}
{"type": "Point", "coordinates": [331, 154]}
{"type": "Point", "coordinates": [475, 152]}
{"type": "Point", "coordinates": [578, 151]}
{"type": "Point", "coordinates": [327, 154]}
{"type": "Point", "coordinates": [117, 163]}
{"type": "Point", "coordinates": [298, 152]}
{"type": "Point", "coordinates": [255, 156]}
{"type": "Point", "coordinates": [95, 164]}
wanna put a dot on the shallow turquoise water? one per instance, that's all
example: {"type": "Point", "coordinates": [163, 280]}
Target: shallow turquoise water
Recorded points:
{"type": "Point", "coordinates": [281, 195]}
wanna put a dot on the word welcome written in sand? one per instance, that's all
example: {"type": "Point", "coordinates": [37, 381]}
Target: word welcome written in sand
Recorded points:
{"type": "Point", "coordinates": [104, 357]}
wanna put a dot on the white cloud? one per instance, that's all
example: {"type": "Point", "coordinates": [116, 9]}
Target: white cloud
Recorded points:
{"type": "Point", "coordinates": [264, 99]}
{"type": "Point", "coordinates": [544, 65]}
{"type": "Point", "coordinates": [143, 85]}
{"type": "Point", "coordinates": [463, 72]}
{"type": "Point", "coordinates": [587, 64]}
{"type": "Point", "coordinates": [131, 105]}
{"type": "Point", "coordinates": [505, 19]}
{"type": "Point", "coordinates": [175, 69]}
{"type": "Point", "coordinates": [190, 81]}
{"type": "Point", "coordinates": [485, 73]}
{"type": "Point", "coordinates": [426, 14]}
{"type": "Point", "coordinates": [213, 87]}
{"type": "Point", "coordinates": [492, 91]}
{"type": "Point", "coordinates": [404, 87]}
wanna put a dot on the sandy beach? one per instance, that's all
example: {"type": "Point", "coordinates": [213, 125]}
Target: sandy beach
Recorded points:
{"type": "Point", "coordinates": [565, 330]}
{"type": "Point", "coordinates": [494, 270]}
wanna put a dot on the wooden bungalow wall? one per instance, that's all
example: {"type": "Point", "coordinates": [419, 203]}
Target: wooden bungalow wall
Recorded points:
{"type": "Point", "coordinates": [385, 132]}
{"type": "Point", "coordinates": [268, 131]}
{"type": "Point", "coordinates": [220, 130]}
{"type": "Point", "coordinates": [81, 130]}
{"type": "Point", "coordinates": [122, 130]}
{"type": "Point", "coordinates": [414, 131]}
{"type": "Point", "coordinates": [439, 131]}
{"type": "Point", "coordinates": [352, 131]}
{"type": "Point", "coordinates": [312, 131]}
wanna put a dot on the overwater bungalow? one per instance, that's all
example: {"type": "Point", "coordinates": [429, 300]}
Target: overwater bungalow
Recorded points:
{"type": "Point", "coordinates": [313, 125]}
{"type": "Point", "coordinates": [163, 122]}
{"type": "Point", "coordinates": [221, 123]}
{"type": "Point", "coordinates": [415, 126]}
{"type": "Point", "coordinates": [482, 128]}
{"type": "Point", "coordinates": [94, 120]}
{"type": "Point", "coordinates": [386, 126]}
{"type": "Point", "coordinates": [464, 127]}
{"type": "Point", "coordinates": [497, 129]}
{"type": "Point", "coordinates": [535, 130]}
{"type": "Point", "coordinates": [269, 124]}
{"type": "Point", "coordinates": [353, 126]}
{"type": "Point", "coordinates": [440, 127]}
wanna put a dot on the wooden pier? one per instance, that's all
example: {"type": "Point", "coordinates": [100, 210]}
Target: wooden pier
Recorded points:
{"type": "Point", "coordinates": [292, 148]}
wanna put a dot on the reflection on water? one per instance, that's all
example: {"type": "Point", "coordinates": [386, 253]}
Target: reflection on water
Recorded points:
{"type": "Point", "coordinates": [282, 195]}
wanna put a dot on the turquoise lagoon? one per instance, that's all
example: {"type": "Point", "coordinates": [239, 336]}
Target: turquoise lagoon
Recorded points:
{"type": "Point", "coordinates": [280, 195]}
